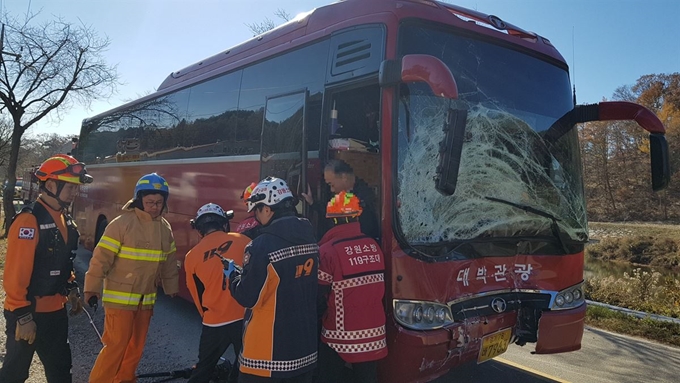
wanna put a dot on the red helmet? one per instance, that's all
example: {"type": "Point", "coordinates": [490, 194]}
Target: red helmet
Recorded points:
{"type": "Point", "coordinates": [344, 204]}
{"type": "Point", "coordinates": [62, 167]}
{"type": "Point", "coordinates": [246, 193]}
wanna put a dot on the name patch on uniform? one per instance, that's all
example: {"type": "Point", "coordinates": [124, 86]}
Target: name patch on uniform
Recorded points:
{"type": "Point", "coordinates": [55, 273]}
{"type": "Point", "coordinates": [26, 233]}
{"type": "Point", "coordinates": [48, 226]}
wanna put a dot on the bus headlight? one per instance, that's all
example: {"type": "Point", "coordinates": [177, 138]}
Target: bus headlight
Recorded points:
{"type": "Point", "coordinates": [577, 294]}
{"type": "Point", "coordinates": [418, 314]}
{"type": "Point", "coordinates": [422, 315]}
{"type": "Point", "coordinates": [568, 298]}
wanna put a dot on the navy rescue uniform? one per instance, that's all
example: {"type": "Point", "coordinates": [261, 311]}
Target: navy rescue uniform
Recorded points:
{"type": "Point", "coordinates": [278, 287]}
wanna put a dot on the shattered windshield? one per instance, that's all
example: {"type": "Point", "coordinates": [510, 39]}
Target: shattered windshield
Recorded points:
{"type": "Point", "coordinates": [514, 179]}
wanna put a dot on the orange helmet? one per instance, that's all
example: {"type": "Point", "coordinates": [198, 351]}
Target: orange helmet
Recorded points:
{"type": "Point", "coordinates": [246, 193]}
{"type": "Point", "coordinates": [343, 204]}
{"type": "Point", "coordinates": [62, 167]}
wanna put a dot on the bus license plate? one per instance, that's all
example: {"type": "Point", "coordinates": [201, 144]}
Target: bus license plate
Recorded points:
{"type": "Point", "coordinates": [494, 345]}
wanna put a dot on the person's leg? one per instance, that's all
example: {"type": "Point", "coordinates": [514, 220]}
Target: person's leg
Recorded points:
{"type": "Point", "coordinates": [330, 365]}
{"type": "Point", "coordinates": [366, 372]}
{"type": "Point", "coordinates": [52, 345]}
{"type": "Point", "coordinates": [19, 354]}
{"type": "Point", "coordinates": [247, 378]}
{"type": "Point", "coordinates": [135, 348]}
{"type": "Point", "coordinates": [235, 333]}
{"type": "Point", "coordinates": [214, 342]}
{"type": "Point", "coordinates": [307, 377]}
{"type": "Point", "coordinates": [118, 325]}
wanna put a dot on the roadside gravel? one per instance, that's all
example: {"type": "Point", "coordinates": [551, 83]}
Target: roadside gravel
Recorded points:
{"type": "Point", "coordinates": [172, 342]}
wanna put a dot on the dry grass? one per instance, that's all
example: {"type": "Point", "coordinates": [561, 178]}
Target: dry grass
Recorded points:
{"type": "Point", "coordinates": [602, 230]}
{"type": "Point", "coordinates": [664, 332]}
{"type": "Point", "coordinates": [641, 244]}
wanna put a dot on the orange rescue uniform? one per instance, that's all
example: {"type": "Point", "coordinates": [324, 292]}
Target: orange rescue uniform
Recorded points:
{"type": "Point", "coordinates": [206, 281]}
{"type": "Point", "coordinates": [19, 264]}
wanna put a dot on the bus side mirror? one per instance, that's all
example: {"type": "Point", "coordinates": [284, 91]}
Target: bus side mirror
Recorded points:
{"type": "Point", "coordinates": [658, 151]}
{"type": "Point", "coordinates": [419, 68]}
{"type": "Point", "coordinates": [658, 147]}
{"type": "Point", "coordinates": [450, 150]}
{"type": "Point", "coordinates": [433, 72]}
{"type": "Point", "coordinates": [623, 111]}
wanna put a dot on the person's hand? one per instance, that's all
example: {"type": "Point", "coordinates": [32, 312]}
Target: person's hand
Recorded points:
{"type": "Point", "coordinates": [26, 329]}
{"type": "Point", "coordinates": [229, 267]}
{"type": "Point", "coordinates": [308, 196]}
{"type": "Point", "coordinates": [75, 301]}
{"type": "Point", "coordinates": [92, 299]}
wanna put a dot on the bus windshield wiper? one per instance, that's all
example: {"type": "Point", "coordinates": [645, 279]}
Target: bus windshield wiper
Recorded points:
{"type": "Point", "coordinates": [561, 237]}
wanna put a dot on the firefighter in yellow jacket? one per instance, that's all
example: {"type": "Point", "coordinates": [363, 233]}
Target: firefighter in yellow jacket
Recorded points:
{"type": "Point", "coordinates": [136, 247]}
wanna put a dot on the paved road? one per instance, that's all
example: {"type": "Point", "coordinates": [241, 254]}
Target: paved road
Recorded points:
{"type": "Point", "coordinates": [173, 343]}
{"type": "Point", "coordinates": [605, 357]}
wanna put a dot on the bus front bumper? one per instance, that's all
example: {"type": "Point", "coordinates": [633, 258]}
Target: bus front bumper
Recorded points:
{"type": "Point", "coordinates": [561, 331]}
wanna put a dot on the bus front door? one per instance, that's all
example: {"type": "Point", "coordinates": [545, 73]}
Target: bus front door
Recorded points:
{"type": "Point", "coordinates": [284, 148]}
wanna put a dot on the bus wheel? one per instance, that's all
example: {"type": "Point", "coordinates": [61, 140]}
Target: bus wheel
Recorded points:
{"type": "Point", "coordinates": [101, 226]}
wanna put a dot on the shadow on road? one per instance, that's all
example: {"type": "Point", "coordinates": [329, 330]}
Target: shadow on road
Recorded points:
{"type": "Point", "coordinates": [492, 371]}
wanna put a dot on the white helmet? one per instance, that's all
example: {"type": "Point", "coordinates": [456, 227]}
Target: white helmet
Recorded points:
{"type": "Point", "coordinates": [218, 214]}
{"type": "Point", "coordinates": [270, 191]}
{"type": "Point", "coordinates": [210, 208]}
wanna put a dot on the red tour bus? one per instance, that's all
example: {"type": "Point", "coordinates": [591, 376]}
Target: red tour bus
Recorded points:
{"type": "Point", "coordinates": [463, 124]}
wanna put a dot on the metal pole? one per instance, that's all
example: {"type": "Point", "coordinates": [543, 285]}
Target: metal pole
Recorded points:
{"type": "Point", "coordinates": [94, 326]}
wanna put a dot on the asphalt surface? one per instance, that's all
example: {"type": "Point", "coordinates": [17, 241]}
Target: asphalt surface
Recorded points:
{"type": "Point", "coordinates": [172, 344]}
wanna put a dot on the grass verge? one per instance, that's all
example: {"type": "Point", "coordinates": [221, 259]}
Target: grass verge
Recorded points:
{"type": "Point", "coordinates": [642, 244]}
{"type": "Point", "coordinates": [662, 332]}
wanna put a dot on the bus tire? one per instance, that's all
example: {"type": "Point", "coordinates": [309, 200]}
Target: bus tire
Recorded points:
{"type": "Point", "coordinates": [101, 226]}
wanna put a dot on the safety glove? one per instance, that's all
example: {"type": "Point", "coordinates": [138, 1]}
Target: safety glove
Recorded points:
{"type": "Point", "coordinates": [26, 329]}
{"type": "Point", "coordinates": [229, 266]}
{"type": "Point", "coordinates": [92, 299]}
{"type": "Point", "coordinates": [75, 302]}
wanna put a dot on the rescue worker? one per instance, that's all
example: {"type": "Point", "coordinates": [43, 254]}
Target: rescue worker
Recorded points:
{"type": "Point", "coordinates": [208, 285]}
{"type": "Point", "coordinates": [278, 286]}
{"type": "Point", "coordinates": [340, 177]}
{"type": "Point", "coordinates": [351, 286]}
{"type": "Point", "coordinates": [249, 226]}
{"type": "Point", "coordinates": [134, 255]}
{"type": "Point", "coordinates": [39, 277]}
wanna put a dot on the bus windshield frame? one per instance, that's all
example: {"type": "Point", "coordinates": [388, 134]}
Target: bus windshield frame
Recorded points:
{"type": "Point", "coordinates": [508, 164]}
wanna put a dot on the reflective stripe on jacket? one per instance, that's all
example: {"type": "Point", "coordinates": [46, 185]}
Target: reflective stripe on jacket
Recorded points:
{"type": "Point", "coordinates": [134, 254]}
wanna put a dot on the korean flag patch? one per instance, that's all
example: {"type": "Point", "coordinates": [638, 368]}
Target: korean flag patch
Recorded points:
{"type": "Point", "coordinates": [26, 233]}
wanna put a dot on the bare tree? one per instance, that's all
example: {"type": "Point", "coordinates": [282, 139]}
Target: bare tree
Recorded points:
{"type": "Point", "coordinates": [45, 68]}
{"type": "Point", "coordinates": [5, 140]}
{"type": "Point", "coordinates": [268, 24]}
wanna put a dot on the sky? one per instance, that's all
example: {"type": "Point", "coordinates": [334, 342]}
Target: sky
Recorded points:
{"type": "Point", "coordinates": [607, 43]}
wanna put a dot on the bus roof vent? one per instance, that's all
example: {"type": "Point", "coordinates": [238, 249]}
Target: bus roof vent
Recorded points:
{"type": "Point", "coordinates": [355, 52]}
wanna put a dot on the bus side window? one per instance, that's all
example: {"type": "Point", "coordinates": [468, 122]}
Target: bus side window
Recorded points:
{"type": "Point", "coordinates": [358, 116]}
